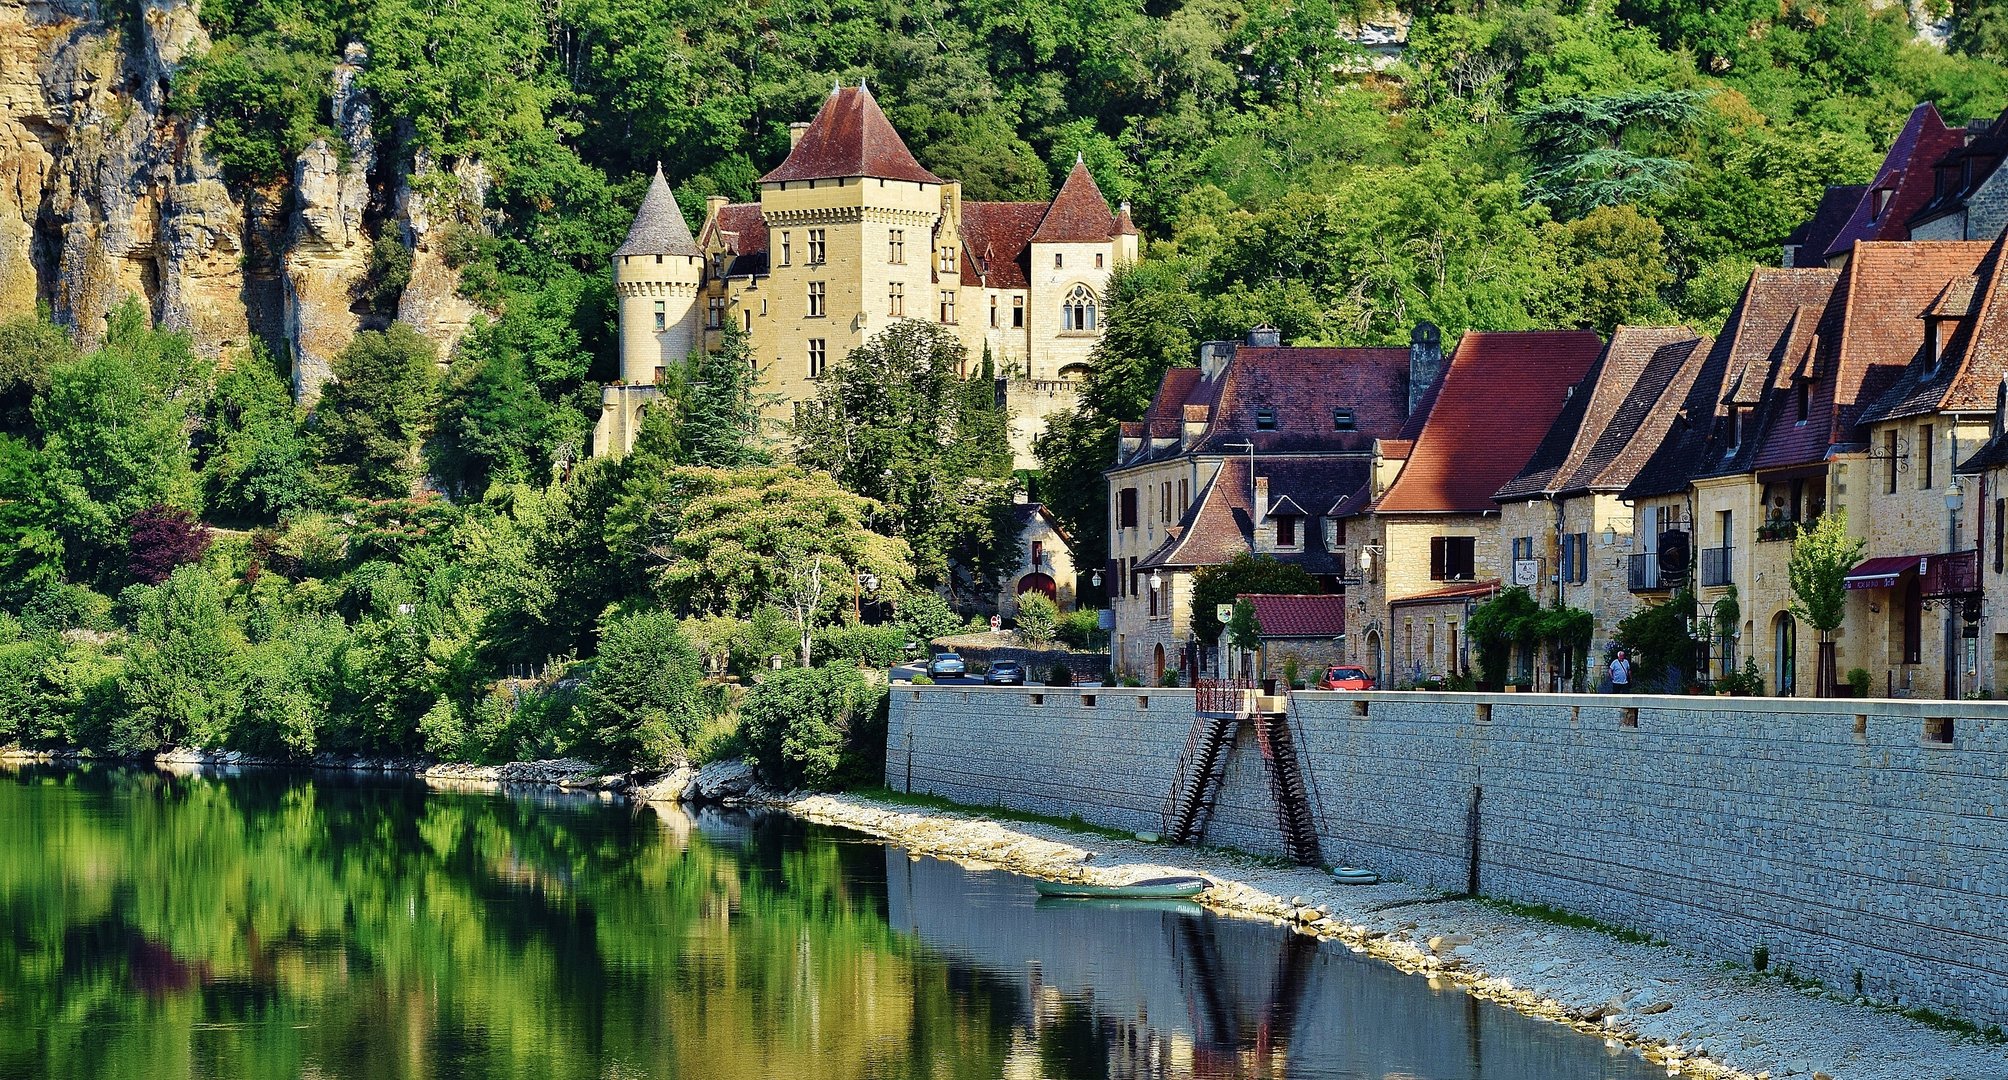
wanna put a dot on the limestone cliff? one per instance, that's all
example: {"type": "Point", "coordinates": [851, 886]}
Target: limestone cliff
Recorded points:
{"type": "Point", "coordinates": [108, 194]}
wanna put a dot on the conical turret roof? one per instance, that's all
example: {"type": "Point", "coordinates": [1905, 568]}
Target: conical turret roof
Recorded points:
{"type": "Point", "coordinates": [850, 136]}
{"type": "Point", "coordinates": [659, 228]}
{"type": "Point", "coordinates": [1079, 214]}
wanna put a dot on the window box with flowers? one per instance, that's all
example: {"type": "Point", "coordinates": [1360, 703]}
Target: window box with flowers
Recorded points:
{"type": "Point", "coordinates": [1778, 529]}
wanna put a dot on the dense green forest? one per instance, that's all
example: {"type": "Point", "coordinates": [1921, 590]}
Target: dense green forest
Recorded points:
{"type": "Point", "coordinates": [424, 564]}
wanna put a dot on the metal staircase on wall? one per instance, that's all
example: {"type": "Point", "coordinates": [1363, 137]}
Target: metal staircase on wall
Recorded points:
{"type": "Point", "coordinates": [1287, 789]}
{"type": "Point", "coordinates": [1202, 771]}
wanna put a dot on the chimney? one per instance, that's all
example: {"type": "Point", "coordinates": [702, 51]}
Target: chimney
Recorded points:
{"type": "Point", "coordinates": [1214, 356]}
{"type": "Point", "coordinates": [712, 205]}
{"type": "Point", "coordinates": [1425, 362]}
{"type": "Point", "coordinates": [1258, 514]}
{"type": "Point", "coordinates": [795, 132]}
{"type": "Point", "coordinates": [1264, 337]}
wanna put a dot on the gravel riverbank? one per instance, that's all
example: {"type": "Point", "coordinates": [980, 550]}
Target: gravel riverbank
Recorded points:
{"type": "Point", "coordinates": [1696, 1017]}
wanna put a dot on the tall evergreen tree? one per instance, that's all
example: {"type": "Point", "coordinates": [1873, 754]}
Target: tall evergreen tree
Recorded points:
{"type": "Point", "coordinates": [719, 413]}
{"type": "Point", "coordinates": [371, 418]}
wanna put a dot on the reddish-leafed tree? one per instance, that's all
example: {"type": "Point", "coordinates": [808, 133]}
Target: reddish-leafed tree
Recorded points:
{"type": "Point", "coordinates": [160, 538]}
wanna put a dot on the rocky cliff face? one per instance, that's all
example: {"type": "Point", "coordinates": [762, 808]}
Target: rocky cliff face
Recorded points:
{"type": "Point", "coordinates": [106, 194]}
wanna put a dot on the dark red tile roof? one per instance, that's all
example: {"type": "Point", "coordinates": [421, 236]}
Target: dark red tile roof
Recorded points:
{"type": "Point", "coordinates": [1906, 172]}
{"type": "Point", "coordinates": [1816, 235]}
{"type": "Point", "coordinates": [1973, 315]}
{"type": "Point", "coordinates": [994, 240]}
{"type": "Point", "coordinates": [1964, 169]}
{"type": "Point", "coordinates": [1079, 214]}
{"type": "Point", "coordinates": [850, 136]}
{"type": "Point", "coordinates": [1124, 226]}
{"type": "Point", "coordinates": [1870, 333]}
{"type": "Point", "coordinates": [1297, 615]}
{"type": "Point", "coordinates": [739, 228]}
{"type": "Point", "coordinates": [1501, 392]}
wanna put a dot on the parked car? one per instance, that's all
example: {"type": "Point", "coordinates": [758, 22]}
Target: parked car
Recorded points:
{"type": "Point", "coordinates": [1345, 678]}
{"type": "Point", "coordinates": [946, 663]}
{"type": "Point", "coordinates": [1005, 673]}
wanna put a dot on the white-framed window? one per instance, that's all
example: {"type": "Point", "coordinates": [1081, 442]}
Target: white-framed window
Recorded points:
{"type": "Point", "coordinates": [895, 298]}
{"type": "Point", "coordinates": [817, 249]}
{"type": "Point", "coordinates": [815, 299]}
{"type": "Point", "coordinates": [895, 241]}
{"type": "Point", "coordinates": [787, 246]}
{"type": "Point", "coordinates": [819, 357]}
{"type": "Point", "coordinates": [947, 305]}
{"type": "Point", "coordinates": [1077, 311]}
{"type": "Point", "coordinates": [715, 315]}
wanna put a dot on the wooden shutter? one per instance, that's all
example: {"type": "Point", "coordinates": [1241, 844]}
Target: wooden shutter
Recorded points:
{"type": "Point", "coordinates": [1436, 558]}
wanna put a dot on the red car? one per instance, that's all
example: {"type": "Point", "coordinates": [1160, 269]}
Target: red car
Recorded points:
{"type": "Point", "coordinates": [1345, 678]}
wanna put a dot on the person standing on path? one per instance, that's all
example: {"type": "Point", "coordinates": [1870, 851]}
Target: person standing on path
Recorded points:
{"type": "Point", "coordinates": [1620, 674]}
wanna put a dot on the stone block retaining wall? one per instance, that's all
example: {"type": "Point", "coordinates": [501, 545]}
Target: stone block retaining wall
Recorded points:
{"type": "Point", "coordinates": [1844, 838]}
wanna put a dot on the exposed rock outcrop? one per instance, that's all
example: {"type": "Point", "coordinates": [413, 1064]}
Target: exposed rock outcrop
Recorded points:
{"type": "Point", "coordinates": [431, 204]}
{"type": "Point", "coordinates": [328, 254]}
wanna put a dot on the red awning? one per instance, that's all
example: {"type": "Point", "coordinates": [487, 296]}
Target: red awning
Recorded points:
{"type": "Point", "coordinates": [1881, 573]}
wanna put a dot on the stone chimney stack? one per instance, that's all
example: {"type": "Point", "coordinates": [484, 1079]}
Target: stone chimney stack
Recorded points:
{"type": "Point", "coordinates": [1214, 356]}
{"type": "Point", "coordinates": [1425, 362]}
{"type": "Point", "coordinates": [1264, 337]}
{"type": "Point", "coordinates": [795, 133]}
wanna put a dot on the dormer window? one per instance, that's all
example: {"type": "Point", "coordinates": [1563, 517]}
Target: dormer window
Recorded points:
{"type": "Point", "coordinates": [1879, 202]}
{"type": "Point", "coordinates": [1934, 340]}
{"type": "Point", "coordinates": [1805, 396]}
{"type": "Point", "coordinates": [1343, 420]}
{"type": "Point", "coordinates": [1286, 531]}
{"type": "Point", "coordinates": [1265, 419]}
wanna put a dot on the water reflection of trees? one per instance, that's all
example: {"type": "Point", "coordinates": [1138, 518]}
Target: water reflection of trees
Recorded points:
{"type": "Point", "coordinates": [156, 925]}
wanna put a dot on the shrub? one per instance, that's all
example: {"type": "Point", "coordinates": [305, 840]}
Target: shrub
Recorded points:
{"type": "Point", "coordinates": [642, 704]}
{"type": "Point", "coordinates": [861, 646]}
{"type": "Point", "coordinates": [925, 616]}
{"type": "Point", "coordinates": [160, 538]}
{"type": "Point", "coordinates": [1169, 677]}
{"type": "Point", "coordinates": [1060, 675]}
{"type": "Point", "coordinates": [1290, 678]}
{"type": "Point", "coordinates": [809, 727]}
{"type": "Point", "coordinates": [1861, 681]}
{"type": "Point", "coordinates": [1038, 618]}
{"type": "Point", "coordinates": [1081, 629]}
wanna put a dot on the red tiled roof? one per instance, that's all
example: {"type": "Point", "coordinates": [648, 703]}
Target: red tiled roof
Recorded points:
{"type": "Point", "coordinates": [1302, 386]}
{"type": "Point", "coordinates": [1868, 336]}
{"type": "Point", "coordinates": [1124, 226]}
{"type": "Point", "coordinates": [850, 136]}
{"type": "Point", "coordinates": [1297, 615]}
{"type": "Point", "coordinates": [739, 228]}
{"type": "Point", "coordinates": [994, 238]}
{"type": "Point", "coordinates": [1501, 392]}
{"type": "Point", "coordinates": [1459, 591]}
{"type": "Point", "coordinates": [1079, 214]}
{"type": "Point", "coordinates": [1907, 173]}
{"type": "Point", "coordinates": [1813, 237]}
{"type": "Point", "coordinates": [1983, 355]}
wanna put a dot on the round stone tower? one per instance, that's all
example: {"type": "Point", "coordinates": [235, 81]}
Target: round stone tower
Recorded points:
{"type": "Point", "coordinates": [657, 273]}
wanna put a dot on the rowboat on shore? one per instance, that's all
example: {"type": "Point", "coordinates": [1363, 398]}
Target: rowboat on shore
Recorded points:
{"type": "Point", "coordinates": [1161, 888]}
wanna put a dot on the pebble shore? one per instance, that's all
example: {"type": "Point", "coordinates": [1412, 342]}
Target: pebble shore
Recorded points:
{"type": "Point", "coordinates": [1695, 1017]}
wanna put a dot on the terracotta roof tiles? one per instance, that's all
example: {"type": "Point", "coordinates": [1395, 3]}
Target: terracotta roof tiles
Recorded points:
{"type": "Point", "coordinates": [1079, 214]}
{"type": "Point", "coordinates": [1296, 615]}
{"type": "Point", "coordinates": [850, 136]}
{"type": "Point", "coordinates": [995, 236]}
{"type": "Point", "coordinates": [1501, 392]}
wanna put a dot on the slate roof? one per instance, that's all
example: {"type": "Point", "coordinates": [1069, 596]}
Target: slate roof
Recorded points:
{"type": "Point", "coordinates": [1816, 234]}
{"type": "Point", "coordinates": [995, 236]}
{"type": "Point", "coordinates": [1993, 454]}
{"type": "Point", "coordinates": [850, 136]}
{"type": "Point", "coordinates": [1612, 420]}
{"type": "Point", "coordinates": [1906, 171]}
{"type": "Point", "coordinates": [1501, 392]}
{"type": "Point", "coordinates": [1302, 385]}
{"type": "Point", "coordinates": [1963, 170]}
{"type": "Point", "coordinates": [1218, 525]}
{"type": "Point", "coordinates": [1079, 214]}
{"type": "Point", "coordinates": [1869, 334]}
{"type": "Point", "coordinates": [659, 228]}
{"type": "Point", "coordinates": [1973, 316]}
{"type": "Point", "coordinates": [1297, 615]}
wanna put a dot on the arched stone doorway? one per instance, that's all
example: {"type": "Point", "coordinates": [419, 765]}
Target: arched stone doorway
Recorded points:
{"type": "Point", "coordinates": [1038, 583]}
{"type": "Point", "coordinates": [1785, 654]}
{"type": "Point", "coordinates": [1376, 660]}
{"type": "Point", "coordinates": [1157, 665]}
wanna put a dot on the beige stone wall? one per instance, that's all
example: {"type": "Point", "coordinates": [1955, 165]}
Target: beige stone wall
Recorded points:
{"type": "Point", "coordinates": [1163, 492]}
{"type": "Point", "coordinates": [1428, 642]}
{"type": "Point", "coordinates": [643, 281]}
{"type": "Point", "coordinates": [1056, 562]}
{"type": "Point", "coordinates": [1054, 349]}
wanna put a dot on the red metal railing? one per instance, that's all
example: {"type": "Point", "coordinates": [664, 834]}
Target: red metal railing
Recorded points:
{"type": "Point", "coordinates": [1222, 695]}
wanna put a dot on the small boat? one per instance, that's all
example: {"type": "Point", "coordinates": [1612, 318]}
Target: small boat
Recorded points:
{"type": "Point", "coordinates": [1348, 875]}
{"type": "Point", "coordinates": [1162, 888]}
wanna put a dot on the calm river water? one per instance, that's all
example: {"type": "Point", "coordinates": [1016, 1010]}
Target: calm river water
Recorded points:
{"type": "Point", "coordinates": [276, 924]}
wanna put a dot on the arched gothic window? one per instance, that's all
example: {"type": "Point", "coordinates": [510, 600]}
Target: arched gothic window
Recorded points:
{"type": "Point", "coordinates": [1077, 311]}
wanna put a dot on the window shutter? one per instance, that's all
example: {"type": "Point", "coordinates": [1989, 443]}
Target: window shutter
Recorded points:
{"type": "Point", "coordinates": [1582, 557]}
{"type": "Point", "coordinates": [1436, 558]}
{"type": "Point", "coordinates": [1568, 558]}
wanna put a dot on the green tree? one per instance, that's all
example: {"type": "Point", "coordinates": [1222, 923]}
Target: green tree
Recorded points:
{"type": "Point", "coordinates": [800, 724]}
{"type": "Point", "coordinates": [372, 417]}
{"type": "Point", "coordinates": [30, 349]}
{"type": "Point", "coordinates": [181, 681]}
{"type": "Point", "coordinates": [1038, 618]}
{"type": "Point", "coordinates": [642, 706]}
{"type": "Point", "coordinates": [1244, 630]}
{"type": "Point", "coordinates": [1609, 268]}
{"type": "Point", "coordinates": [1241, 575]}
{"type": "Point", "coordinates": [897, 422]}
{"type": "Point", "coordinates": [1581, 152]}
{"type": "Point", "coordinates": [1822, 555]}
{"type": "Point", "coordinates": [257, 464]}
{"type": "Point", "coordinates": [718, 416]}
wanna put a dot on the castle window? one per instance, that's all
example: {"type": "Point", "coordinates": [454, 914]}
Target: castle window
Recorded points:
{"type": "Point", "coordinates": [947, 305]}
{"type": "Point", "coordinates": [1098, 260]}
{"type": "Point", "coordinates": [1077, 312]}
{"type": "Point", "coordinates": [661, 317]}
{"type": "Point", "coordinates": [993, 313]}
{"type": "Point", "coordinates": [948, 259]}
{"type": "Point", "coordinates": [819, 357]}
{"type": "Point", "coordinates": [1286, 531]}
{"type": "Point", "coordinates": [896, 299]}
{"type": "Point", "coordinates": [815, 299]}
{"type": "Point", "coordinates": [658, 260]}
{"type": "Point", "coordinates": [715, 317]}
{"type": "Point", "coordinates": [1059, 260]}
{"type": "Point", "coordinates": [786, 247]}
{"type": "Point", "coordinates": [1343, 420]}
{"type": "Point", "coordinates": [817, 249]}
{"type": "Point", "coordinates": [1265, 419]}
{"type": "Point", "coordinates": [1017, 313]}
{"type": "Point", "coordinates": [747, 319]}
{"type": "Point", "coordinates": [896, 247]}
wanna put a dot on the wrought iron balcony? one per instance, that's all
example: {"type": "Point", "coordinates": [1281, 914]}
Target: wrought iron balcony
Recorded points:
{"type": "Point", "coordinates": [1644, 572]}
{"type": "Point", "coordinates": [1715, 566]}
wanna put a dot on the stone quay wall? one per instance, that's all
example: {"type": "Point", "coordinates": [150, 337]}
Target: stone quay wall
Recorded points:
{"type": "Point", "coordinates": [1860, 843]}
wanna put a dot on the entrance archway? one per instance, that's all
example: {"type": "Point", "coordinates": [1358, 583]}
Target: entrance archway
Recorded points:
{"type": "Point", "coordinates": [1376, 660]}
{"type": "Point", "coordinates": [1157, 665]}
{"type": "Point", "coordinates": [1040, 583]}
{"type": "Point", "coordinates": [1785, 654]}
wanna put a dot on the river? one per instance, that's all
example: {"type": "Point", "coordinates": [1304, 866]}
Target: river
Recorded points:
{"type": "Point", "coordinates": [287, 924]}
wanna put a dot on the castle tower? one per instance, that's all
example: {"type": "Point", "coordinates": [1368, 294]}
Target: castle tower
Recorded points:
{"type": "Point", "coordinates": [657, 273]}
{"type": "Point", "coordinates": [1074, 251]}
